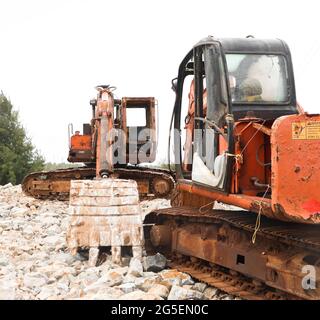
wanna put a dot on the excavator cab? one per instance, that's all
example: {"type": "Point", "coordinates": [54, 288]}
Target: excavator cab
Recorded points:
{"type": "Point", "coordinates": [140, 128]}
{"type": "Point", "coordinates": [232, 80]}
{"type": "Point", "coordinates": [242, 127]}
{"type": "Point", "coordinates": [135, 133]}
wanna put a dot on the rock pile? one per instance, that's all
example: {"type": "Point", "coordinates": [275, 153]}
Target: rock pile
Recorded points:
{"type": "Point", "coordinates": [35, 262]}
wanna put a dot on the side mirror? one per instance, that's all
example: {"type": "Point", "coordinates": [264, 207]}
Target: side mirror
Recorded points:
{"type": "Point", "coordinates": [174, 83]}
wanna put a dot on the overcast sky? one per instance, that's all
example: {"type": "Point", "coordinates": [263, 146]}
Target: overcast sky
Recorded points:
{"type": "Point", "coordinates": [54, 52]}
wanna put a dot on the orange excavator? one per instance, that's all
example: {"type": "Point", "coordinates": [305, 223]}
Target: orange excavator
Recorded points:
{"type": "Point", "coordinates": [246, 210]}
{"type": "Point", "coordinates": [121, 136]}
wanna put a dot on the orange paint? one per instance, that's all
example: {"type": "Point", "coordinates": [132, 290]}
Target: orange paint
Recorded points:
{"type": "Point", "coordinates": [296, 165]}
{"type": "Point", "coordinates": [312, 206]}
{"type": "Point", "coordinates": [81, 142]}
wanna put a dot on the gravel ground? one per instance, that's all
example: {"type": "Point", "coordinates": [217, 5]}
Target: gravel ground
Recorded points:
{"type": "Point", "coordinates": [35, 262]}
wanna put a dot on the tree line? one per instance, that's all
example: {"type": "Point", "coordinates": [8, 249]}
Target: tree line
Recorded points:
{"type": "Point", "coordinates": [18, 156]}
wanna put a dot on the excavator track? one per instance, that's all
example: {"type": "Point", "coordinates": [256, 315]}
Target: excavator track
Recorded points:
{"type": "Point", "coordinates": [216, 247]}
{"type": "Point", "coordinates": [226, 280]}
{"type": "Point", "coordinates": [55, 185]}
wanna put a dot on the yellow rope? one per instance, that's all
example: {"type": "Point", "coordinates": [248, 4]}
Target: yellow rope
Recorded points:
{"type": "Point", "coordinates": [238, 157]}
{"type": "Point", "coordinates": [258, 221]}
{"type": "Point", "coordinates": [262, 124]}
{"type": "Point", "coordinates": [206, 205]}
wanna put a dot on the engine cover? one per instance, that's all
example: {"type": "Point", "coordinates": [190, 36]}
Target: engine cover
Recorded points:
{"type": "Point", "coordinates": [295, 158]}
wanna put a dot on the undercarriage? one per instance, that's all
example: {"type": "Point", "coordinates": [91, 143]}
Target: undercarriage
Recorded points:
{"type": "Point", "coordinates": [218, 247]}
{"type": "Point", "coordinates": [56, 184]}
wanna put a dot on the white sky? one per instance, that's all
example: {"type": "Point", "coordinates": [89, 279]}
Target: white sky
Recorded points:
{"type": "Point", "coordinates": [54, 52]}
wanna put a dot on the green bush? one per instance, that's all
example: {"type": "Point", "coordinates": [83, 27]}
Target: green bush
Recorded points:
{"type": "Point", "coordinates": [18, 156]}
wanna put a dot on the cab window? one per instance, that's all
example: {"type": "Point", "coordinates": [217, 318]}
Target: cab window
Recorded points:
{"type": "Point", "coordinates": [255, 78]}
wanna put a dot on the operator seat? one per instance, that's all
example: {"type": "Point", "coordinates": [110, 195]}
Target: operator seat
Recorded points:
{"type": "Point", "coordinates": [250, 90]}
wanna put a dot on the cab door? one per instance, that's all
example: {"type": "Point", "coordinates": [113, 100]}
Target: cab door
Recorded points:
{"type": "Point", "coordinates": [210, 145]}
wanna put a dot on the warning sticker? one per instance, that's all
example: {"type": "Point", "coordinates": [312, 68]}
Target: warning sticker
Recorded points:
{"type": "Point", "coordinates": [306, 130]}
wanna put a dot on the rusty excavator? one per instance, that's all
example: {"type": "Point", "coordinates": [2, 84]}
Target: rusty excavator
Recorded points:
{"type": "Point", "coordinates": [111, 144]}
{"type": "Point", "coordinates": [246, 143]}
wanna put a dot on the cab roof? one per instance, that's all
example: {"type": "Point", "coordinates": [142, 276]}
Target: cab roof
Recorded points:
{"type": "Point", "coordinates": [248, 45]}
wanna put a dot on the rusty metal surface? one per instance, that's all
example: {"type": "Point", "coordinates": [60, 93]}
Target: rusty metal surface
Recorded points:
{"type": "Point", "coordinates": [105, 212]}
{"type": "Point", "coordinates": [56, 184]}
{"type": "Point", "coordinates": [290, 234]}
{"type": "Point", "coordinates": [227, 280]}
{"type": "Point", "coordinates": [161, 186]}
{"type": "Point", "coordinates": [160, 235]}
{"type": "Point", "coordinates": [225, 238]}
{"type": "Point", "coordinates": [296, 166]}
{"type": "Point", "coordinates": [251, 203]}
{"type": "Point", "coordinates": [103, 124]}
